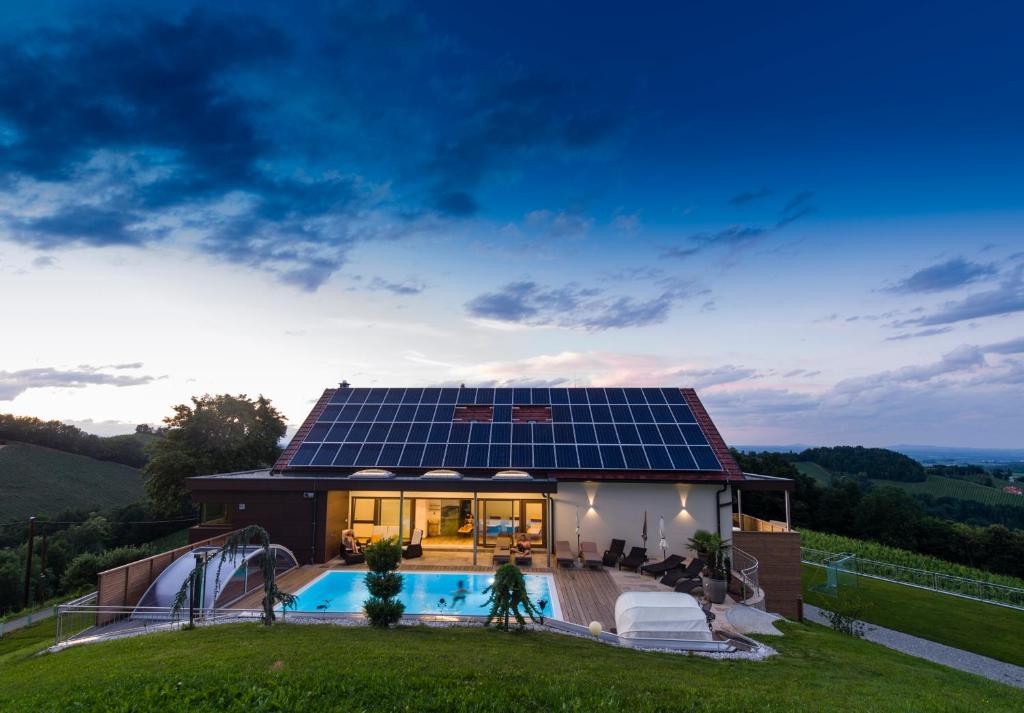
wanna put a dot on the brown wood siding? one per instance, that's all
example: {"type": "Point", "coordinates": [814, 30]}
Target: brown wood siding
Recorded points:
{"type": "Point", "coordinates": [286, 515]}
{"type": "Point", "coordinates": [778, 556]}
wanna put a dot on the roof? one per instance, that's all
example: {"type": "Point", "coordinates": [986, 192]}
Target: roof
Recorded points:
{"type": "Point", "coordinates": [563, 433]}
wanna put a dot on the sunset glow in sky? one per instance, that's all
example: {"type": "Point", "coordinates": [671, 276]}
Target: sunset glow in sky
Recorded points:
{"type": "Point", "coordinates": [813, 214]}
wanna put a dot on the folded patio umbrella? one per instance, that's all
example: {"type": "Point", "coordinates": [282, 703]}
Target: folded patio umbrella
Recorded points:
{"type": "Point", "coordinates": [661, 536]}
{"type": "Point", "coordinates": [643, 535]}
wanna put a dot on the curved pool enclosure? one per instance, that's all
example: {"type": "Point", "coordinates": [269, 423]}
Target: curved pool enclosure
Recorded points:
{"type": "Point", "coordinates": [227, 578]}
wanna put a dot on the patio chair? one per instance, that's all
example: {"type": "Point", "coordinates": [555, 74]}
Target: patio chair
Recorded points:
{"type": "Point", "coordinates": [415, 547]}
{"type": "Point", "coordinates": [659, 568]}
{"type": "Point", "coordinates": [614, 553]}
{"type": "Point", "coordinates": [563, 554]}
{"type": "Point", "coordinates": [686, 586]}
{"type": "Point", "coordinates": [350, 552]}
{"type": "Point", "coordinates": [636, 557]}
{"type": "Point", "coordinates": [502, 549]}
{"type": "Point", "coordinates": [590, 556]}
{"type": "Point", "coordinates": [691, 571]}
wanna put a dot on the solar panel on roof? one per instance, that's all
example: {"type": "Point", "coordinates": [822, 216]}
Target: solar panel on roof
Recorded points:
{"type": "Point", "coordinates": [543, 456]}
{"type": "Point", "coordinates": [610, 428]}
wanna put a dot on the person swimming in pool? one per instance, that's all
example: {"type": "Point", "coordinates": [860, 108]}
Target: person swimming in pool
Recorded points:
{"type": "Point", "coordinates": [460, 593]}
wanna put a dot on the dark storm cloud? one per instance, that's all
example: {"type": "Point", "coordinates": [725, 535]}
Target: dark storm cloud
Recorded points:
{"type": "Point", "coordinates": [275, 144]}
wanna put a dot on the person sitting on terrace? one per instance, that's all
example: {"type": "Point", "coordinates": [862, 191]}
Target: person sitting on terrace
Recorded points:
{"type": "Point", "coordinates": [350, 543]}
{"type": "Point", "coordinates": [523, 542]}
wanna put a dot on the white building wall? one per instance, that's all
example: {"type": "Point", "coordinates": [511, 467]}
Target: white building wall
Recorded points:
{"type": "Point", "coordinates": [616, 510]}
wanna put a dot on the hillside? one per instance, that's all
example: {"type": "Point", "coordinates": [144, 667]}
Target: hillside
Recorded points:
{"type": "Point", "coordinates": [244, 667]}
{"type": "Point", "coordinates": [36, 480]}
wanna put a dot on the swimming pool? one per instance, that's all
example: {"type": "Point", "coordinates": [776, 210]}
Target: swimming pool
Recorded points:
{"type": "Point", "coordinates": [422, 593]}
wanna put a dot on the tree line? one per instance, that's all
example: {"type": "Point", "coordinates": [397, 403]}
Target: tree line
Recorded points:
{"type": "Point", "coordinates": [880, 463]}
{"type": "Point", "coordinates": [885, 514]}
{"type": "Point", "coordinates": [126, 449]}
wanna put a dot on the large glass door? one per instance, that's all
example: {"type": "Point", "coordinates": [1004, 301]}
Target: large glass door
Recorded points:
{"type": "Point", "coordinates": [512, 517]}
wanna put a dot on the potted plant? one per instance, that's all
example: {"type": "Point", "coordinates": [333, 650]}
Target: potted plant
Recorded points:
{"type": "Point", "coordinates": [713, 549]}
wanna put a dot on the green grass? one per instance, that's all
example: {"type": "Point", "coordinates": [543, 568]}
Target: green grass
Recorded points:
{"type": "Point", "coordinates": [39, 481]}
{"type": "Point", "coordinates": [20, 643]}
{"type": "Point", "coordinates": [815, 471]}
{"type": "Point", "coordinates": [985, 629]}
{"type": "Point", "coordinates": [246, 667]}
{"type": "Point", "coordinates": [940, 487]}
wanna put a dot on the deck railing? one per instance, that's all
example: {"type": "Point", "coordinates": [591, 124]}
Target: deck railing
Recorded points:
{"type": "Point", "coordinates": [745, 569]}
{"type": "Point", "coordinates": [977, 589]}
{"type": "Point", "coordinates": [748, 523]}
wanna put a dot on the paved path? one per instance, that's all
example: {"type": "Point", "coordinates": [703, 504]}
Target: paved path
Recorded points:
{"type": "Point", "coordinates": [21, 622]}
{"type": "Point", "coordinates": [939, 653]}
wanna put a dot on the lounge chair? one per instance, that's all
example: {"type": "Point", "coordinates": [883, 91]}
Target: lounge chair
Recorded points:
{"type": "Point", "coordinates": [659, 568]}
{"type": "Point", "coordinates": [415, 547]}
{"type": "Point", "coordinates": [614, 553]}
{"type": "Point", "coordinates": [350, 552]}
{"type": "Point", "coordinates": [563, 554]}
{"type": "Point", "coordinates": [679, 574]}
{"type": "Point", "coordinates": [590, 556]}
{"type": "Point", "coordinates": [635, 559]}
{"type": "Point", "coordinates": [502, 549]}
{"type": "Point", "coordinates": [686, 586]}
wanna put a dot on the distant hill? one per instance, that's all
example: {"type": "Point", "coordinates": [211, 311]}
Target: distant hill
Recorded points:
{"type": "Point", "coordinates": [38, 481]}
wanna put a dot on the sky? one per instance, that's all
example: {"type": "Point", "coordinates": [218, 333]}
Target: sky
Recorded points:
{"type": "Point", "coordinates": [811, 213]}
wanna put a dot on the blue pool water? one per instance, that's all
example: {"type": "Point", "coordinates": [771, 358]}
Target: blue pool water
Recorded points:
{"type": "Point", "coordinates": [339, 591]}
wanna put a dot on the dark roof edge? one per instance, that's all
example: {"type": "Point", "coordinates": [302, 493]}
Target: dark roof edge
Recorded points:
{"type": "Point", "coordinates": [754, 481]}
{"type": "Point", "coordinates": [729, 465]}
{"type": "Point", "coordinates": [300, 435]}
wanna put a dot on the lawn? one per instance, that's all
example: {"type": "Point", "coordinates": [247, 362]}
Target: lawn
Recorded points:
{"type": "Point", "coordinates": [815, 471]}
{"type": "Point", "coordinates": [985, 629]}
{"type": "Point", "coordinates": [246, 667]}
{"type": "Point", "coordinates": [42, 481]}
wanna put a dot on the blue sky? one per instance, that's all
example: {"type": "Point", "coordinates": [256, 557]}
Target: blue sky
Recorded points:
{"type": "Point", "coordinates": [813, 214]}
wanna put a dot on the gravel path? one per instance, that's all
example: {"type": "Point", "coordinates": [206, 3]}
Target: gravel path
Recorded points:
{"type": "Point", "coordinates": [939, 653]}
{"type": "Point", "coordinates": [22, 622]}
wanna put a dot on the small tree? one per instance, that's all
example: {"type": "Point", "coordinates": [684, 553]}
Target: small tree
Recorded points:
{"type": "Point", "coordinates": [508, 595]}
{"type": "Point", "coordinates": [272, 596]}
{"type": "Point", "coordinates": [383, 583]}
{"type": "Point", "coordinates": [712, 548]}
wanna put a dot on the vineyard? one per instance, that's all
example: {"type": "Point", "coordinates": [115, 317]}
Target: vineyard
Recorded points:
{"type": "Point", "coordinates": [940, 487]}
{"type": "Point", "coordinates": [902, 558]}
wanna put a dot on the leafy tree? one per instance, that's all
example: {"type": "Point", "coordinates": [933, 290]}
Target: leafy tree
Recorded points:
{"type": "Point", "coordinates": [879, 463]}
{"type": "Point", "coordinates": [508, 596]}
{"type": "Point", "coordinates": [82, 571]}
{"type": "Point", "coordinates": [215, 434]}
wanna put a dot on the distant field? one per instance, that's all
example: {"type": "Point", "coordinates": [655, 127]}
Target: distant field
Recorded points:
{"type": "Point", "coordinates": [940, 487]}
{"type": "Point", "coordinates": [815, 471]}
{"type": "Point", "coordinates": [936, 486]}
{"type": "Point", "coordinates": [39, 481]}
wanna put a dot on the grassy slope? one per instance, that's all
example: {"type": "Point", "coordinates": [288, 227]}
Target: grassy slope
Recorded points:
{"type": "Point", "coordinates": [815, 471]}
{"type": "Point", "coordinates": [37, 480]}
{"type": "Point", "coordinates": [985, 629]}
{"type": "Point", "coordinates": [292, 667]}
{"type": "Point", "coordinates": [935, 485]}
{"type": "Point", "coordinates": [940, 487]}
{"type": "Point", "coordinates": [176, 539]}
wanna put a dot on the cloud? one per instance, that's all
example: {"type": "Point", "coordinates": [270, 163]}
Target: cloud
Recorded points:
{"type": "Point", "coordinates": [406, 288]}
{"type": "Point", "coordinates": [1007, 298]}
{"type": "Point", "coordinates": [948, 275]}
{"type": "Point", "coordinates": [42, 261]}
{"type": "Point", "coordinates": [750, 196]}
{"type": "Point", "coordinates": [736, 237]}
{"type": "Point", "coordinates": [592, 309]}
{"type": "Point", "coordinates": [930, 332]}
{"type": "Point", "coordinates": [559, 224]}
{"type": "Point", "coordinates": [190, 141]}
{"type": "Point", "coordinates": [714, 376]}
{"type": "Point", "coordinates": [15, 383]}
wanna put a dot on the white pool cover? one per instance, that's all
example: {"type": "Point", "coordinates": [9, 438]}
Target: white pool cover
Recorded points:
{"type": "Point", "coordinates": [660, 615]}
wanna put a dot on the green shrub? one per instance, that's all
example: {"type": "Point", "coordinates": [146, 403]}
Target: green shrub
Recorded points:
{"type": "Point", "coordinates": [81, 572]}
{"type": "Point", "coordinates": [383, 556]}
{"type": "Point", "coordinates": [383, 583]}
{"type": "Point", "coordinates": [383, 612]}
{"type": "Point", "coordinates": [508, 595]}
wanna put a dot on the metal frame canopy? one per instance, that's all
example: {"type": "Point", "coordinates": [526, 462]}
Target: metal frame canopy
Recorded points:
{"type": "Point", "coordinates": [476, 430]}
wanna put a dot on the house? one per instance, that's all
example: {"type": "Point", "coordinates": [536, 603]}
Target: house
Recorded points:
{"type": "Point", "coordinates": [467, 465]}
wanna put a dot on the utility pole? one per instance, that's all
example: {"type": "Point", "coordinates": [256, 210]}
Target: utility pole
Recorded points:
{"type": "Point", "coordinates": [43, 590]}
{"type": "Point", "coordinates": [28, 560]}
